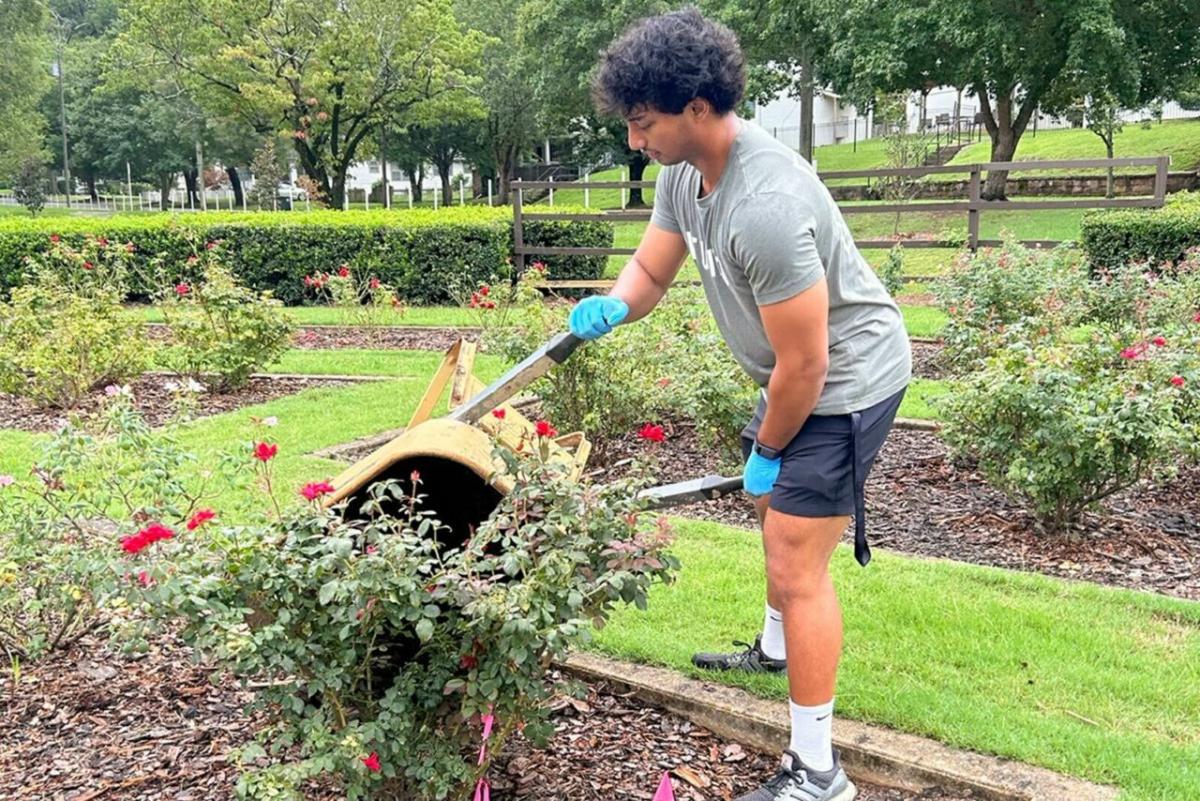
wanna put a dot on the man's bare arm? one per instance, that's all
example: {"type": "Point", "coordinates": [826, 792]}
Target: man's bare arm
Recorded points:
{"type": "Point", "coordinates": [798, 330]}
{"type": "Point", "coordinates": [647, 276]}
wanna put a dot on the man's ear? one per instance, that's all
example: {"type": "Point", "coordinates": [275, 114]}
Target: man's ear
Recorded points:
{"type": "Point", "coordinates": [698, 107]}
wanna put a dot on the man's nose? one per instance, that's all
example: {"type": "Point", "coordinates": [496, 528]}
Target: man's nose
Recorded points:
{"type": "Point", "coordinates": [636, 141]}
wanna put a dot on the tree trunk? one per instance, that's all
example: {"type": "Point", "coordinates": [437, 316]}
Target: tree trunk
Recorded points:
{"type": "Point", "coordinates": [637, 168]}
{"type": "Point", "coordinates": [189, 181]}
{"type": "Point", "coordinates": [164, 189]}
{"type": "Point", "coordinates": [235, 183]}
{"type": "Point", "coordinates": [337, 190]}
{"type": "Point", "coordinates": [90, 180]}
{"type": "Point", "coordinates": [1005, 132]}
{"type": "Point", "coordinates": [1111, 190]}
{"type": "Point", "coordinates": [447, 191]}
{"type": "Point", "coordinates": [807, 90]}
{"type": "Point", "coordinates": [505, 156]}
{"type": "Point", "coordinates": [415, 174]}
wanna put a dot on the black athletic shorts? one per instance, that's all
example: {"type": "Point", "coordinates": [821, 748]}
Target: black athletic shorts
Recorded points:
{"type": "Point", "coordinates": [825, 465]}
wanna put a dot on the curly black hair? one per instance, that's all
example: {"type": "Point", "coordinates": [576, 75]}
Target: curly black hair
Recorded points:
{"type": "Point", "coordinates": [666, 61]}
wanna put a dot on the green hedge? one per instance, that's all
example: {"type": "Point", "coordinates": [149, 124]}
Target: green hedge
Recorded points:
{"type": "Point", "coordinates": [421, 252]}
{"type": "Point", "coordinates": [1118, 237]}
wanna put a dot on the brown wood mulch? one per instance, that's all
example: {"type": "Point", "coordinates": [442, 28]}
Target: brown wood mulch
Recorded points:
{"type": "Point", "coordinates": [152, 397]}
{"type": "Point", "coordinates": [92, 724]}
{"type": "Point", "coordinates": [920, 502]}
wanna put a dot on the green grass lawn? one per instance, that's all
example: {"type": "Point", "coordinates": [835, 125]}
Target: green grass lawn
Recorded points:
{"type": "Point", "coordinates": [979, 658]}
{"type": "Point", "coordinates": [1179, 139]}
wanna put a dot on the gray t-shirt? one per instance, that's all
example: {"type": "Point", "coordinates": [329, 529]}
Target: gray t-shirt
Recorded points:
{"type": "Point", "coordinates": [768, 231]}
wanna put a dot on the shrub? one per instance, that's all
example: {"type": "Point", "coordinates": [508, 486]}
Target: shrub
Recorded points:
{"type": "Point", "coordinates": [424, 255]}
{"type": "Point", "coordinates": [380, 648]}
{"type": "Point", "coordinates": [1060, 423]}
{"type": "Point", "coordinates": [220, 331]}
{"type": "Point", "coordinates": [1114, 238]}
{"type": "Point", "coordinates": [989, 292]}
{"type": "Point", "coordinates": [97, 481]}
{"type": "Point", "coordinates": [29, 185]}
{"type": "Point", "coordinates": [1139, 295]}
{"type": "Point", "coordinates": [891, 272]}
{"type": "Point", "coordinates": [672, 361]}
{"type": "Point", "coordinates": [66, 333]}
{"type": "Point", "coordinates": [364, 301]}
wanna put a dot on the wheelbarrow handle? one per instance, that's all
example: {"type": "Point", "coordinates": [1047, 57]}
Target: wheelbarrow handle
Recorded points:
{"type": "Point", "coordinates": [706, 488]}
{"type": "Point", "coordinates": [530, 369]}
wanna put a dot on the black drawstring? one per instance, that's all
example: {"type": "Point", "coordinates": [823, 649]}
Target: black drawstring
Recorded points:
{"type": "Point", "coordinates": [862, 551]}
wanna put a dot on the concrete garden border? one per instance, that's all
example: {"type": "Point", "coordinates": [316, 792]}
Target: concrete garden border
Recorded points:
{"type": "Point", "coordinates": [870, 753]}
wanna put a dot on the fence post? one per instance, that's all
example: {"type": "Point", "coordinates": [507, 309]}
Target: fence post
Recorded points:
{"type": "Point", "coordinates": [973, 211]}
{"type": "Point", "coordinates": [623, 179]}
{"type": "Point", "coordinates": [587, 199]}
{"type": "Point", "coordinates": [1160, 180]}
{"type": "Point", "coordinates": [489, 191]}
{"type": "Point", "coordinates": [518, 230]}
{"type": "Point", "coordinates": [552, 192]}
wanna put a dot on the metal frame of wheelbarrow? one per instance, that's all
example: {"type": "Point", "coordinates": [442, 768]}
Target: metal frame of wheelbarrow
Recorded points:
{"type": "Point", "coordinates": [459, 362]}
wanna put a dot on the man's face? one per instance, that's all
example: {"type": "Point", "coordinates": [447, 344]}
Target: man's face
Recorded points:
{"type": "Point", "coordinates": [666, 138]}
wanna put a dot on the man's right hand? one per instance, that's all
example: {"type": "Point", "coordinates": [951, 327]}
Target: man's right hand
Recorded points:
{"type": "Point", "coordinates": [596, 315]}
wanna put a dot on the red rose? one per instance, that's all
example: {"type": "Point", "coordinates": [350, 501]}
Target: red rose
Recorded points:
{"type": "Point", "coordinates": [209, 245]}
{"type": "Point", "coordinates": [200, 518]}
{"type": "Point", "coordinates": [265, 452]}
{"type": "Point", "coordinates": [102, 242]}
{"type": "Point", "coordinates": [652, 433]}
{"type": "Point", "coordinates": [1159, 342]}
{"type": "Point", "coordinates": [498, 413]}
{"type": "Point", "coordinates": [484, 290]}
{"type": "Point", "coordinates": [372, 762]}
{"type": "Point", "coordinates": [373, 283]}
{"type": "Point", "coordinates": [87, 265]}
{"type": "Point", "coordinates": [468, 662]}
{"type": "Point", "coordinates": [344, 271]}
{"type": "Point", "coordinates": [315, 489]}
{"type": "Point", "coordinates": [55, 238]}
{"type": "Point", "coordinates": [1178, 381]}
{"type": "Point", "coordinates": [182, 289]}
{"type": "Point", "coordinates": [544, 429]}
{"type": "Point", "coordinates": [414, 476]}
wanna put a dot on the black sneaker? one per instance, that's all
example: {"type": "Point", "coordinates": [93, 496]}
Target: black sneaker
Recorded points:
{"type": "Point", "coordinates": [752, 659]}
{"type": "Point", "coordinates": [795, 782]}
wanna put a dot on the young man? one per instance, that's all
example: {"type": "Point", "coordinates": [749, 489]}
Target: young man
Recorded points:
{"type": "Point", "coordinates": [804, 315]}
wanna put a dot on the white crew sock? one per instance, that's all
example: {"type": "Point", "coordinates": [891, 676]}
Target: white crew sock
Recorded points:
{"type": "Point", "coordinates": [812, 734]}
{"type": "Point", "coordinates": [772, 634]}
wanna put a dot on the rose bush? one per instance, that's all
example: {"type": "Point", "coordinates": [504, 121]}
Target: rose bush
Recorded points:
{"type": "Point", "coordinates": [1061, 422]}
{"type": "Point", "coordinates": [380, 649]}
{"type": "Point", "coordinates": [219, 331]}
{"type": "Point", "coordinates": [674, 361]}
{"type": "Point", "coordinates": [64, 332]}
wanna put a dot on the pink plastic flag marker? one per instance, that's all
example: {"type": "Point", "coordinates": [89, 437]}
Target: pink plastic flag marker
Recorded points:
{"type": "Point", "coordinates": [483, 790]}
{"type": "Point", "coordinates": [665, 792]}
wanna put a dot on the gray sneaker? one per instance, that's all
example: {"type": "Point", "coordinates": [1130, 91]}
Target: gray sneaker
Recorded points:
{"type": "Point", "coordinates": [795, 782]}
{"type": "Point", "coordinates": [751, 659]}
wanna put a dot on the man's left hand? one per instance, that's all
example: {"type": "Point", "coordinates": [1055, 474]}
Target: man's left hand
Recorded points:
{"type": "Point", "coordinates": [760, 474]}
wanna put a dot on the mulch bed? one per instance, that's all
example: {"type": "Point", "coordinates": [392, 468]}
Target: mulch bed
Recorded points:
{"type": "Point", "coordinates": [920, 502]}
{"type": "Point", "coordinates": [94, 724]}
{"type": "Point", "coordinates": [153, 399]}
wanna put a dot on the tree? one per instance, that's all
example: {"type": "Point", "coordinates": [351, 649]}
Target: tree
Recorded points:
{"type": "Point", "coordinates": [24, 80]}
{"type": "Point", "coordinates": [565, 60]}
{"type": "Point", "coordinates": [1104, 119]}
{"type": "Point", "coordinates": [1013, 55]}
{"type": "Point", "coordinates": [326, 73]}
{"type": "Point", "coordinates": [267, 175]}
{"type": "Point", "coordinates": [785, 42]}
{"type": "Point", "coordinates": [28, 185]}
{"type": "Point", "coordinates": [507, 89]}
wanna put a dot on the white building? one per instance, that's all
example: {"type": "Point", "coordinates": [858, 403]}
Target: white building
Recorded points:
{"type": "Point", "coordinates": [834, 122]}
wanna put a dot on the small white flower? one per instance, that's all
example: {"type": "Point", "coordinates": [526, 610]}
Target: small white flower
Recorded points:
{"type": "Point", "coordinates": [194, 386]}
{"type": "Point", "coordinates": [171, 386]}
{"type": "Point", "coordinates": [270, 422]}
{"type": "Point", "coordinates": [6, 481]}
{"type": "Point", "coordinates": [112, 390]}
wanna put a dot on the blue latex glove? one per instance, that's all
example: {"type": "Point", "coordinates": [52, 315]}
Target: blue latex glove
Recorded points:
{"type": "Point", "coordinates": [760, 474]}
{"type": "Point", "coordinates": [596, 315]}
